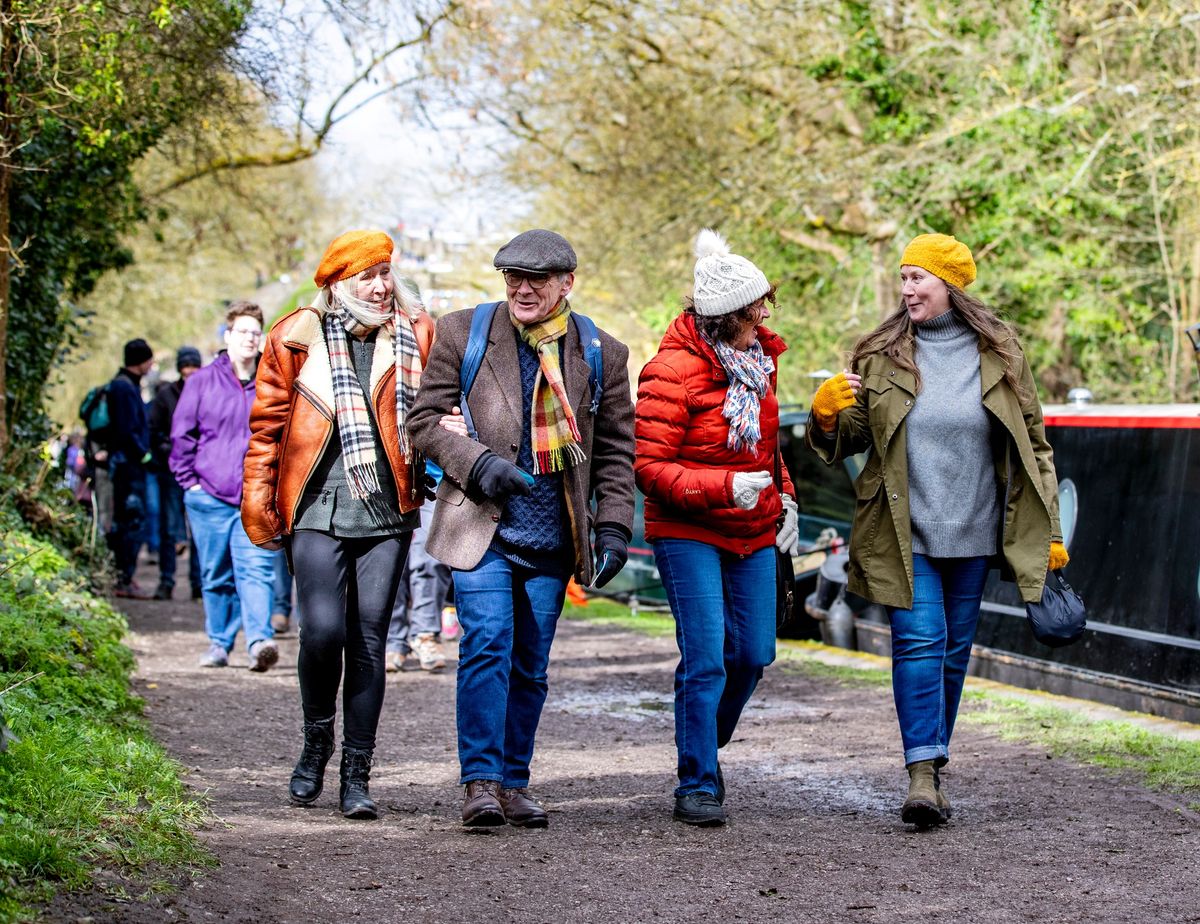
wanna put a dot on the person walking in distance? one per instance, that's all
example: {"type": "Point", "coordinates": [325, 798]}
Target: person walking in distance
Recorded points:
{"type": "Point", "coordinates": [332, 474]}
{"type": "Point", "coordinates": [959, 473]}
{"type": "Point", "coordinates": [513, 518]}
{"type": "Point", "coordinates": [209, 434]}
{"type": "Point", "coordinates": [172, 522]}
{"type": "Point", "coordinates": [129, 454]}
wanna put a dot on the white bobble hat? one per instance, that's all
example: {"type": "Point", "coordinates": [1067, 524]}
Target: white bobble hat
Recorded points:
{"type": "Point", "coordinates": [724, 282]}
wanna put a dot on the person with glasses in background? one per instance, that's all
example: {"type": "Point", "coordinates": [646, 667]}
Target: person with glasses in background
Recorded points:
{"type": "Point", "coordinates": [209, 436]}
{"type": "Point", "coordinates": [514, 517]}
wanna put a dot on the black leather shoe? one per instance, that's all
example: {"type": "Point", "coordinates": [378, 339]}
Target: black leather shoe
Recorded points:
{"type": "Point", "coordinates": [356, 774]}
{"type": "Point", "coordinates": [308, 779]}
{"type": "Point", "coordinates": [700, 809]}
{"type": "Point", "coordinates": [521, 810]}
{"type": "Point", "coordinates": [481, 805]}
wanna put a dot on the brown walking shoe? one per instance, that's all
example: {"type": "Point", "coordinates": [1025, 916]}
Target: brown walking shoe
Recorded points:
{"type": "Point", "coordinates": [921, 806]}
{"type": "Point", "coordinates": [943, 800]}
{"type": "Point", "coordinates": [521, 810]}
{"type": "Point", "coordinates": [481, 807]}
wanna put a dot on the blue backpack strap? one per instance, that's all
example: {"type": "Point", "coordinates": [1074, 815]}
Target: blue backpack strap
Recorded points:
{"type": "Point", "coordinates": [589, 339]}
{"type": "Point", "coordinates": [481, 324]}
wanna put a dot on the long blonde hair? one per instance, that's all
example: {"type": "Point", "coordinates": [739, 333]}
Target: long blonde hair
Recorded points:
{"type": "Point", "coordinates": [894, 338]}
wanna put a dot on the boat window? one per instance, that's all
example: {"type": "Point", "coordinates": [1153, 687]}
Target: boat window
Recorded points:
{"type": "Point", "coordinates": [1068, 509]}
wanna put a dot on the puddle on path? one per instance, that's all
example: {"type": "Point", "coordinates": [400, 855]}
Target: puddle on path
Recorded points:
{"type": "Point", "coordinates": [637, 706]}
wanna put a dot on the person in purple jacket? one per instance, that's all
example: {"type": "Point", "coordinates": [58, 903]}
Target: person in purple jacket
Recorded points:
{"type": "Point", "coordinates": [209, 436]}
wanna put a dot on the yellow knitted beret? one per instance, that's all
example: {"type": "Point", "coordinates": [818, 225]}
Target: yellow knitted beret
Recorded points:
{"type": "Point", "coordinates": [351, 253]}
{"type": "Point", "coordinates": [946, 257]}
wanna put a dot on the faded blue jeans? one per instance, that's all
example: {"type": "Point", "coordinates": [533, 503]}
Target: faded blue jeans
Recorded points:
{"type": "Point", "coordinates": [508, 615]}
{"type": "Point", "coordinates": [931, 646]}
{"type": "Point", "coordinates": [724, 608]}
{"type": "Point", "coordinates": [236, 577]}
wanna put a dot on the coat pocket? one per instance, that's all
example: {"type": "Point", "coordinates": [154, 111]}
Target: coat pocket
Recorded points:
{"type": "Point", "coordinates": [449, 493]}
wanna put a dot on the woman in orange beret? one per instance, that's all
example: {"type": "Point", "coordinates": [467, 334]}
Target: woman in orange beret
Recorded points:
{"type": "Point", "coordinates": [960, 478]}
{"type": "Point", "coordinates": [331, 477]}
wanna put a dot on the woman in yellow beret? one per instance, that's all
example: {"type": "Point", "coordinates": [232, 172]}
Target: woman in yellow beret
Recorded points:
{"type": "Point", "coordinates": [959, 474]}
{"type": "Point", "coordinates": [331, 476]}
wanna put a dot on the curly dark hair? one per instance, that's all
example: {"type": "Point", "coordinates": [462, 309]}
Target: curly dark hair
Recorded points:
{"type": "Point", "coordinates": [725, 327]}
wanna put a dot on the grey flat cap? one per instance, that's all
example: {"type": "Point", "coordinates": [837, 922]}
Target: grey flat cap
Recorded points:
{"type": "Point", "coordinates": [537, 251]}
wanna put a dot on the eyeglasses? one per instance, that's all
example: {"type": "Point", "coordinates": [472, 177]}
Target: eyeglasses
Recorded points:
{"type": "Point", "coordinates": [246, 332]}
{"type": "Point", "coordinates": [537, 281]}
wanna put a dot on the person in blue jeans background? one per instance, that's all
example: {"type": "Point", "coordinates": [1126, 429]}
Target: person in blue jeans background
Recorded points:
{"type": "Point", "coordinates": [707, 445]}
{"type": "Point", "coordinates": [128, 455]}
{"type": "Point", "coordinates": [514, 516]}
{"type": "Point", "coordinates": [281, 598]}
{"type": "Point", "coordinates": [210, 433]}
{"type": "Point", "coordinates": [959, 473]}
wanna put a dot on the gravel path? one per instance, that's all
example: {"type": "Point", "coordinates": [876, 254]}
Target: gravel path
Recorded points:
{"type": "Point", "coordinates": [814, 786]}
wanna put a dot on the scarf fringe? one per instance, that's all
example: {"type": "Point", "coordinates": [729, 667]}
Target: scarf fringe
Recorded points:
{"type": "Point", "coordinates": [363, 480]}
{"type": "Point", "coordinates": [557, 459]}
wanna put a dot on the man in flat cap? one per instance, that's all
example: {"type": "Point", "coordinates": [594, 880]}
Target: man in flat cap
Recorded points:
{"type": "Point", "coordinates": [524, 459]}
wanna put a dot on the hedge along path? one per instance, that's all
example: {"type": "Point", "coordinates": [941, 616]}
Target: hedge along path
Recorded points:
{"type": "Point", "coordinates": [814, 776]}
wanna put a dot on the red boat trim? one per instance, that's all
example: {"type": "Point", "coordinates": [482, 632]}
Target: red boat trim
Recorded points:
{"type": "Point", "coordinates": [1134, 423]}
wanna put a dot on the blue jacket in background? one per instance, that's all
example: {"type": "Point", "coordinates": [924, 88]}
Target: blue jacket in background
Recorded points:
{"type": "Point", "coordinates": [127, 418]}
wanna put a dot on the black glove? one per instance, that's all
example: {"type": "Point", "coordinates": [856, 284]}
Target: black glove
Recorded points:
{"type": "Point", "coordinates": [497, 479]}
{"type": "Point", "coordinates": [612, 551]}
{"type": "Point", "coordinates": [428, 487]}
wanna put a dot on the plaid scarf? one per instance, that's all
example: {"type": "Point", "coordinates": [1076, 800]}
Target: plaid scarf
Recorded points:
{"type": "Point", "coordinates": [749, 373]}
{"type": "Point", "coordinates": [350, 404]}
{"type": "Point", "coordinates": [554, 435]}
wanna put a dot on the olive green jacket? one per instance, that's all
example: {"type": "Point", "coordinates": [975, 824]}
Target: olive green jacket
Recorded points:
{"type": "Point", "coordinates": [881, 567]}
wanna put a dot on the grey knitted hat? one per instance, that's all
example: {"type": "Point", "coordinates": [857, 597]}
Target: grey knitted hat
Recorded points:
{"type": "Point", "coordinates": [724, 282]}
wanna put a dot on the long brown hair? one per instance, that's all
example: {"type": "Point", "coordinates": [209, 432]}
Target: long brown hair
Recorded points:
{"type": "Point", "coordinates": [894, 338]}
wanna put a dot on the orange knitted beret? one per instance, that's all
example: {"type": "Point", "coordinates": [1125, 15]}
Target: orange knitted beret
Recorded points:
{"type": "Point", "coordinates": [946, 257]}
{"type": "Point", "coordinates": [351, 253]}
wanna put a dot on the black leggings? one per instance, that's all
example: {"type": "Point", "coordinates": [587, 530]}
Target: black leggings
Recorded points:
{"type": "Point", "coordinates": [345, 590]}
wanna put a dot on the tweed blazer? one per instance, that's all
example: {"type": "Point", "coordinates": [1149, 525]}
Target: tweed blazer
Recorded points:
{"type": "Point", "coordinates": [463, 526]}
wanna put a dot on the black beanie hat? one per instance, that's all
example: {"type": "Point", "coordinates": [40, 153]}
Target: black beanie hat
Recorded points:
{"type": "Point", "coordinates": [137, 352]}
{"type": "Point", "coordinates": [187, 356]}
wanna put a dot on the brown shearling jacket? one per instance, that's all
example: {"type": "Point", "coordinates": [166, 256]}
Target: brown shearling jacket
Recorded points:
{"type": "Point", "coordinates": [291, 421]}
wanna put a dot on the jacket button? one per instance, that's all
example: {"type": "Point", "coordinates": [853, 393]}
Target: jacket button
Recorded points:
{"type": "Point", "coordinates": [893, 372]}
{"type": "Point", "coordinates": [894, 497]}
{"type": "Point", "coordinates": [495, 518]}
{"type": "Point", "coordinates": [907, 402]}
{"type": "Point", "coordinates": [514, 447]}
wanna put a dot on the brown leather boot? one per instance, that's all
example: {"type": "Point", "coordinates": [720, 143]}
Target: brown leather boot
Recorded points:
{"type": "Point", "coordinates": [481, 807]}
{"type": "Point", "coordinates": [520, 809]}
{"type": "Point", "coordinates": [921, 806]}
{"type": "Point", "coordinates": [943, 800]}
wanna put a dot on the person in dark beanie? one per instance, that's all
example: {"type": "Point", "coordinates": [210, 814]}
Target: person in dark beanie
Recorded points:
{"type": "Point", "coordinates": [960, 473]}
{"type": "Point", "coordinates": [513, 518]}
{"type": "Point", "coordinates": [172, 520]}
{"type": "Point", "coordinates": [129, 454]}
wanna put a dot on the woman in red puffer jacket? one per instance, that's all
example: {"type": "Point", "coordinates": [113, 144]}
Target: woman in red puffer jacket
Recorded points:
{"type": "Point", "coordinates": [707, 429]}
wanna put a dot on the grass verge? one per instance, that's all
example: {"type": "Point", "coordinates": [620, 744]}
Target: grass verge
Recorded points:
{"type": "Point", "coordinates": [82, 783]}
{"type": "Point", "coordinates": [1158, 760]}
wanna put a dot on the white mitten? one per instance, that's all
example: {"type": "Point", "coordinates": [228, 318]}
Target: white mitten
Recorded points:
{"type": "Point", "coordinates": [747, 486]}
{"type": "Point", "coordinates": [787, 540]}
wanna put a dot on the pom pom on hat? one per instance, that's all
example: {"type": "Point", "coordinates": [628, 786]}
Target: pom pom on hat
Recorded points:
{"type": "Point", "coordinates": [350, 253]}
{"type": "Point", "coordinates": [724, 282]}
{"type": "Point", "coordinates": [943, 255]}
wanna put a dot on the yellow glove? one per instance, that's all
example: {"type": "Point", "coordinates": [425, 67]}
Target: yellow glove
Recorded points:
{"type": "Point", "coordinates": [1058, 556]}
{"type": "Point", "coordinates": [833, 397]}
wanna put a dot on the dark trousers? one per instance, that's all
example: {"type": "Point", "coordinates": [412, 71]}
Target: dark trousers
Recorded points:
{"type": "Point", "coordinates": [172, 528]}
{"type": "Point", "coordinates": [345, 592]}
{"type": "Point", "coordinates": [129, 515]}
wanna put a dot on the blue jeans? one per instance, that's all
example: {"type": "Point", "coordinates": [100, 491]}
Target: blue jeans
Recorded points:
{"type": "Point", "coordinates": [508, 616]}
{"type": "Point", "coordinates": [422, 590]}
{"type": "Point", "coordinates": [724, 608]}
{"type": "Point", "coordinates": [931, 645]}
{"type": "Point", "coordinates": [281, 590]}
{"type": "Point", "coordinates": [236, 577]}
{"type": "Point", "coordinates": [172, 527]}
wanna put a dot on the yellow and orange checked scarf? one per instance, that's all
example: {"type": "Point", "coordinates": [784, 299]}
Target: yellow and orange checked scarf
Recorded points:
{"type": "Point", "coordinates": [554, 435]}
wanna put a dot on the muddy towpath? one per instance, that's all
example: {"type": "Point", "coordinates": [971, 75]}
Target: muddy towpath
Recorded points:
{"type": "Point", "coordinates": [814, 784]}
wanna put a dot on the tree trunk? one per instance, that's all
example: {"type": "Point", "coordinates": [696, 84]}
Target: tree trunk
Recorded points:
{"type": "Point", "coordinates": [8, 58]}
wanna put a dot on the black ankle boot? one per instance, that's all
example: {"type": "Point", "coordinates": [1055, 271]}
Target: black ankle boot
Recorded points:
{"type": "Point", "coordinates": [356, 772]}
{"type": "Point", "coordinates": [308, 778]}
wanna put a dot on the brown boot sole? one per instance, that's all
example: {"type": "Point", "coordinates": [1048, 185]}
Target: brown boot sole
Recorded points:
{"type": "Point", "coordinates": [534, 821]}
{"type": "Point", "coordinates": [486, 817]}
{"type": "Point", "coordinates": [922, 814]}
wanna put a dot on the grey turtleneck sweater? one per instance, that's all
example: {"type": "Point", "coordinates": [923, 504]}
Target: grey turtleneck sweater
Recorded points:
{"type": "Point", "coordinates": [952, 496]}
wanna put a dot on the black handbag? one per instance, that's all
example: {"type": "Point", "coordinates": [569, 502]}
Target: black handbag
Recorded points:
{"type": "Point", "coordinates": [785, 574]}
{"type": "Point", "coordinates": [1060, 617]}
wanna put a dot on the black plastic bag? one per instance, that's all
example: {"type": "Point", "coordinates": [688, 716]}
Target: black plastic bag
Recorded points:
{"type": "Point", "coordinates": [1060, 617]}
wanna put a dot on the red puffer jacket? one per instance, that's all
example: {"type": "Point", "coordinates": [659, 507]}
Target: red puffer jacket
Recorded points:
{"type": "Point", "coordinates": [683, 463]}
